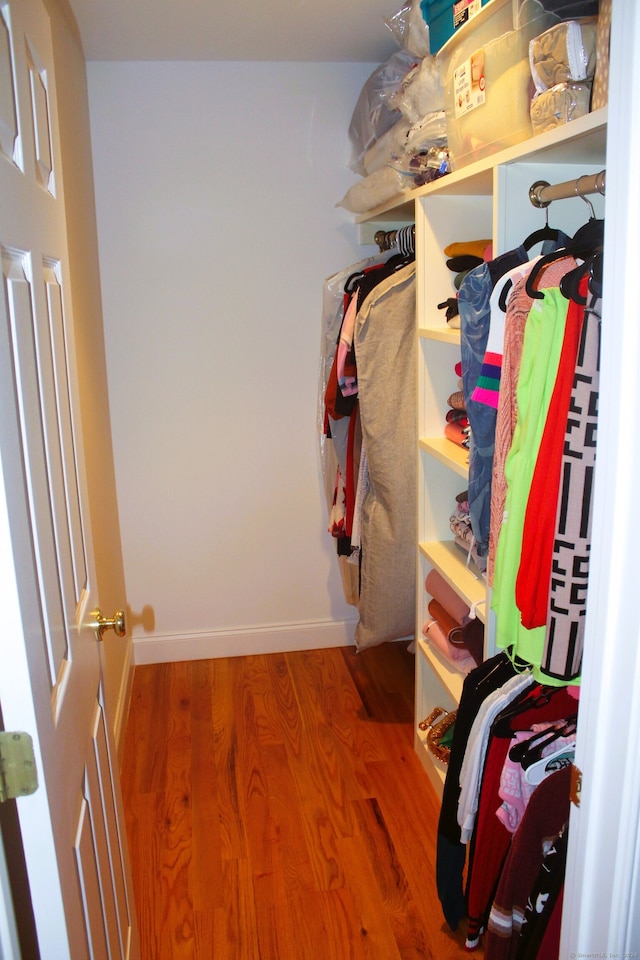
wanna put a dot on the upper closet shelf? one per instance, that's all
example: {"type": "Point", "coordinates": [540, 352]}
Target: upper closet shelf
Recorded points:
{"type": "Point", "coordinates": [585, 137]}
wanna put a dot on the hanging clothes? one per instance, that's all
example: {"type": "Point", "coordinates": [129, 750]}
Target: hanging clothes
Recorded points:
{"type": "Point", "coordinates": [372, 368]}
{"type": "Point", "coordinates": [567, 594]}
{"type": "Point", "coordinates": [518, 308]}
{"type": "Point", "coordinates": [491, 840]}
{"type": "Point", "coordinates": [333, 430]}
{"type": "Point", "coordinates": [541, 835]}
{"type": "Point", "coordinates": [385, 345]}
{"type": "Point", "coordinates": [451, 852]}
{"type": "Point", "coordinates": [535, 557]}
{"type": "Point", "coordinates": [478, 306]}
{"type": "Point", "coordinates": [531, 353]}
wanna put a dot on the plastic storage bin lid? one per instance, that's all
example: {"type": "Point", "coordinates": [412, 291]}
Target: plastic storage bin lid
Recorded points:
{"type": "Point", "coordinates": [446, 17]}
{"type": "Point", "coordinates": [493, 19]}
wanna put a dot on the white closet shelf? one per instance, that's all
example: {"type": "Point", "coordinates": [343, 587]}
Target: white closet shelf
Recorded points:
{"type": "Point", "coordinates": [443, 333]}
{"type": "Point", "coordinates": [445, 690]}
{"type": "Point", "coordinates": [449, 560]}
{"type": "Point", "coordinates": [585, 137]}
{"type": "Point", "coordinates": [449, 453]}
{"type": "Point", "coordinates": [450, 678]}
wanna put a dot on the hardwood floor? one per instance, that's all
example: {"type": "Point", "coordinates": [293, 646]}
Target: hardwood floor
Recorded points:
{"type": "Point", "coordinates": [276, 809]}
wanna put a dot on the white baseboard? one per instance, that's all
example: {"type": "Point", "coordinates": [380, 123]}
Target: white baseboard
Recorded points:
{"type": "Point", "coordinates": [241, 642]}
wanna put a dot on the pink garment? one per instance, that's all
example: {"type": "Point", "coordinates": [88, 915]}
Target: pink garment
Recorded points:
{"type": "Point", "coordinates": [515, 790]}
{"type": "Point", "coordinates": [518, 308]}
{"type": "Point", "coordinates": [458, 657]}
{"type": "Point", "coordinates": [437, 587]}
{"type": "Point", "coordinates": [348, 384]}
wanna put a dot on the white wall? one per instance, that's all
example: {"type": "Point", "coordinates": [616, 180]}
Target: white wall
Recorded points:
{"type": "Point", "coordinates": [215, 190]}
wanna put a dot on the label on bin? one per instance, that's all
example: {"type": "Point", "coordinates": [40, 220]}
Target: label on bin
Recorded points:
{"type": "Point", "coordinates": [464, 10]}
{"type": "Point", "coordinates": [469, 84]}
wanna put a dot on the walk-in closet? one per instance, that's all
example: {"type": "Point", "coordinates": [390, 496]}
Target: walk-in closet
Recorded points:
{"type": "Point", "coordinates": [510, 257]}
{"type": "Point", "coordinates": [319, 360]}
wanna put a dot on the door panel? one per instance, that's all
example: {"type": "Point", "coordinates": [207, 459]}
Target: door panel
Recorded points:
{"type": "Point", "coordinates": [19, 298]}
{"type": "Point", "coordinates": [43, 167]}
{"type": "Point", "coordinates": [108, 850]}
{"type": "Point", "coordinates": [49, 546]}
{"type": "Point", "coordinates": [8, 113]}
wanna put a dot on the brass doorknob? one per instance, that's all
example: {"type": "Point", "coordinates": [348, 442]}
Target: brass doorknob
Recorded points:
{"type": "Point", "coordinates": [116, 623]}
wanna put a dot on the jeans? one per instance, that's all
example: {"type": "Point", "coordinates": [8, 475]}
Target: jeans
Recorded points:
{"type": "Point", "coordinates": [473, 305]}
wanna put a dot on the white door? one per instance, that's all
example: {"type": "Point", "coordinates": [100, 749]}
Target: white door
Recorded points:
{"type": "Point", "coordinates": [50, 681]}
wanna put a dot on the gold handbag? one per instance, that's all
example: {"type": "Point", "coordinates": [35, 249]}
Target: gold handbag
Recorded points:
{"type": "Point", "coordinates": [438, 726]}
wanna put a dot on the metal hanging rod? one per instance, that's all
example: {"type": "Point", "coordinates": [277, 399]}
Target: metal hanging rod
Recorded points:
{"type": "Point", "coordinates": [541, 193]}
{"type": "Point", "coordinates": [403, 238]}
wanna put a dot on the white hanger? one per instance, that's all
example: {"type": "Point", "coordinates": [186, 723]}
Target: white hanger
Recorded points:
{"type": "Point", "coordinates": [562, 757]}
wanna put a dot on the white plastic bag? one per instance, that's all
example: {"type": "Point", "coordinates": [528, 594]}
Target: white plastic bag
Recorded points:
{"type": "Point", "coordinates": [373, 114]}
{"type": "Point", "coordinates": [421, 92]}
{"type": "Point", "coordinates": [559, 105]}
{"type": "Point", "coordinates": [374, 190]}
{"type": "Point", "coordinates": [409, 29]}
{"type": "Point", "coordinates": [566, 53]}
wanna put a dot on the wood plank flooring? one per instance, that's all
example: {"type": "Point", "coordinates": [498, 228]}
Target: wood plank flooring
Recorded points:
{"type": "Point", "coordinates": [276, 810]}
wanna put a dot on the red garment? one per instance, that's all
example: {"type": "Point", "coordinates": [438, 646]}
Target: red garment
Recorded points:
{"type": "Point", "coordinates": [544, 819]}
{"type": "Point", "coordinates": [549, 948]}
{"type": "Point", "coordinates": [534, 574]}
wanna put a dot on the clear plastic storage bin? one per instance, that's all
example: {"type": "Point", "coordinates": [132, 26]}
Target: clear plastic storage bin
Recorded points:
{"type": "Point", "coordinates": [487, 82]}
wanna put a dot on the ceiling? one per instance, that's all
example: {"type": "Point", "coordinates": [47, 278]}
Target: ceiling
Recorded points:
{"type": "Point", "coordinates": [270, 30]}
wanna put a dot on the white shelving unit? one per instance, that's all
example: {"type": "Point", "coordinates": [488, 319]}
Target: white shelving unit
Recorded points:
{"type": "Point", "coordinates": [487, 199]}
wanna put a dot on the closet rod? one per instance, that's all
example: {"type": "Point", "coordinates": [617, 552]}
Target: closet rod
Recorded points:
{"type": "Point", "coordinates": [385, 239]}
{"type": "Point", "coordinates": [404, 238]}
{"type": "Point", "coordinates": [541, 193]}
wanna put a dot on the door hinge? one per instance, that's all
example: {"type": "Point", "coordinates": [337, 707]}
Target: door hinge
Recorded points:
{"type": "Point", "coordinates": [18, 774]}
{"type": "Point", "coordinates": [576, 784]}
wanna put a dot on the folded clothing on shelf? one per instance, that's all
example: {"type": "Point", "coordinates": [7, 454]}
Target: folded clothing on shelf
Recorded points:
{"type": "Point", "coordinates": [455, 607]}
{"type": "Point", "coordinates": [458, 657]}
{"type": "Point", "coordinates": [458, 433]}
{"type": "Point", "coordinates": [561, 104]}
{"type": "Point", "coordinates": [468, 637]}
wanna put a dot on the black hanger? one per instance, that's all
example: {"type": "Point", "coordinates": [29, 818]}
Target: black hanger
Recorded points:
{"type": "Point", "coordinates": [524, 701]}
{"type": "Point", "coordinates": [530, 751]}
{"type": "Point", "coordinates": [352, 281]}
{"type": "Point", "coordinates": [570, 283]}
{"type": "Point", "coordinates": [541, 235]}
{"type": "Point", "coordinates": [504, 293]}
{"type": "Point", "coordinates": [586, 242]}
{"type": "Point", "coordinates": [362, 282]}
{"type": "Point", "coordinates": [595, 275]}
